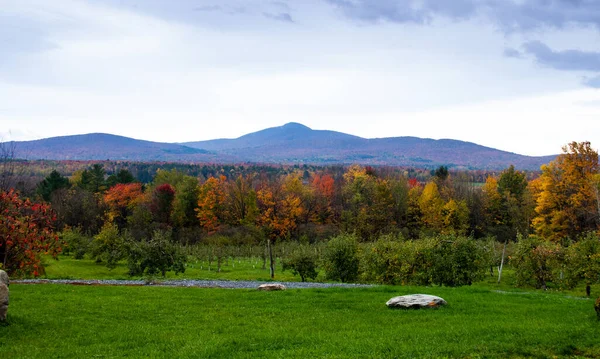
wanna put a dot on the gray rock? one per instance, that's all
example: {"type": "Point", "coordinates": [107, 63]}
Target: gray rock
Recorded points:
{"type": "Point", "coordinates": [4, 278]}
{"type": "Point", "coordinates": [3, 301]}
{"type": "Point", "coordinates": [4, 282]}
{"type": "Point", "coordinates": [271, 287]}
{"type": "Point", "coordinates": [416, 301]}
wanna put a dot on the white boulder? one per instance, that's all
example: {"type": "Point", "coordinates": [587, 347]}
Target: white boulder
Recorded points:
{"type": "Point", "coordinates": [416, 301]}
{"type": "Point", "coordinates": [271, 287]}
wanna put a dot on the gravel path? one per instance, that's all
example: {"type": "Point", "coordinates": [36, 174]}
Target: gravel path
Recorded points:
{"type": "Point", "coordinates": [242, 284]}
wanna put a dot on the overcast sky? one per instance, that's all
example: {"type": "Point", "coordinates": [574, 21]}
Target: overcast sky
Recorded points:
{"type": "Point", "coordinates": [518, 75]}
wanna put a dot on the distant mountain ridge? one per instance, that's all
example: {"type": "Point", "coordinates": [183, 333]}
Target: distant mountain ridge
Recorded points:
{"type": "Point", "coordinates": [291, 143]}
{"type": "Point", "coordinates": [296, 143]}
{"type": "Point", "coordinates": [102, 146]}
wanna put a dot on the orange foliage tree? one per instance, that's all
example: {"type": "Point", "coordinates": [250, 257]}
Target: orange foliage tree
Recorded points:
{"type": "Point", "coordinates": [211, 204]}
{"type": "Point", "coordinates": [121, 199]}
{"type": "Point", "coordinates": [278, 215]}
{"type": "Point", "coordinates": [26, 232]}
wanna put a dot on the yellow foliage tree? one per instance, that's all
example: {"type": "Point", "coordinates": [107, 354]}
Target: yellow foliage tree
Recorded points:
{"type": "Point", "coordinates": [431, 206]}
{"type": "Point", "coordinates": [567, 201]}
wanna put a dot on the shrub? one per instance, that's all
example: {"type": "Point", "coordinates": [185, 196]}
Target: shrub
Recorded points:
{"type": "Point", "coordinates": [302, 261]}
{"type": "Point", "coordinates": [385, 261]}
{"type": "Point", "coordinates": [443, 260]}
{"type": "Point", "coordinates": [340, 259]}
{"type": "Point", "coordinates": [76, 243]}
{"type": "Point", "coordinates": [109, 246]}
{"type": "Point", "coordinates": [583, 262]}
{"type": "Point", "coordinates": [158, 255]}
{"type": "Point", "coordinates": [536, 261]}
{"type": "Point", "coordinates": [457, 261]}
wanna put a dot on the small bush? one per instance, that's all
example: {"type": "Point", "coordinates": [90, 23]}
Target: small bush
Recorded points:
{"type": "Point", "coordinates": [340, 259]}
{"type": "Point", "coordinates": [536, 261]}
{"type": "Point", "coordinates": [109, 246]}
{"type": "Point", "coordinates": [583, 262]}
{"type": "Point", "coordinates": [302, 261]}
{"type": "Point", "coordinates": [457, 261]}
{"type": "Point", "coordinates": [385, 261]}
{"type": "Point", "coordinates": [158, 255]}
{"type": "Point", "coordinates": [76, 243]}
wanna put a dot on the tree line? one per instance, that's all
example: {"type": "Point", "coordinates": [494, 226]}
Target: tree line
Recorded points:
{"type": "Point", "coordinates": [312, 204]}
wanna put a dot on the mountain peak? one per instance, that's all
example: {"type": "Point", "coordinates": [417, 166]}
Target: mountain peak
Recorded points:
{"type": "Point", "coordinates": [295, 126]}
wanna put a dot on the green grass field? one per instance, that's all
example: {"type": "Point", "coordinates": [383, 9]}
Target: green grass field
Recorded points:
{"type": "Point", "coordinates": [68, 268]}
{"type": "Point", "coordinates": [62, 321]}
{"type": "Point", "coordinates": [485, 320]}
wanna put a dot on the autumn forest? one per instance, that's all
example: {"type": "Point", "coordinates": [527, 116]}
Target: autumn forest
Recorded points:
{"type": "Point", "coordinates": [125, 211]}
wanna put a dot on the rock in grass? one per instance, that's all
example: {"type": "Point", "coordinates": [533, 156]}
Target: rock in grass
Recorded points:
{"type": "Point", "coordinates": [4, 278]}
{"type": "Point", "coordinates": [271, 287]}
{"type": "Point", "coordinates": [416, 301]}
{"type": "Point", "coordinates": [3, 301]}
{"type": "Point", "coordinates": [3, 295]}
{"type": "Point", "coordinates": [597, 307]}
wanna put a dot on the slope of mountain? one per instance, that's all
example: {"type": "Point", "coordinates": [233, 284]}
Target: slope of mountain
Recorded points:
{"type": "Point", "coordinates": [101, 146]}
{"type": "Point", "coordinates": [290, 143]}
{"type": "Point", "coordinates": [293, 135]}
{"type": "Point", "coordinates": [296, 143]}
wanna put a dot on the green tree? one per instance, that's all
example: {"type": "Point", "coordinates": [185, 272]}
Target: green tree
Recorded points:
{"type": "Point", "coordinates": [536, 261]}
{"type": "Point", "coordinates": [508, 205]}
{"type": "Point", "coordinates": [123, 176]}
{"type": "Point", "coordinates": [109, 246]}
{"type": "Point", "coordinates": [159, 255]}
{"type": "Point", "coordinates": [370, 203]}
{"type": "Point", "coordinates": [53, 182]}
{"type": "Point", "coordinates": [340, 258]}
{"type": "Point", "coordinates": [185, 202]}
{"type": "Point", "coordinates": [76, 207]}
{"type": "Point", "coordinates": [93, 180]}
{"type": "Point", "coordinates": [302, 261]}
{"type": "Point", "coordinates": [583, 260]}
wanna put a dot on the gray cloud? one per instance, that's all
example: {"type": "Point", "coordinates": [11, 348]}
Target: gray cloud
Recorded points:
{"type": "Point", "coordinates": [208, 8]}
{"type": "Point", "coordinates": [281, 5]}
{"type": "Point", "coordinates": [593, 82]}
{"type": "Point", "coordinates": [382, 10]}
{"type": "Point", "coordinates": [209, 12]}
{"type": "Point", "coordinates": [284, 16]}
{"type": "Point", "coordinates": [513, 53]}
{"type": "Point", "coordinates": [508, 15]}
{"type": "Point", "coordinates": [570, 60]}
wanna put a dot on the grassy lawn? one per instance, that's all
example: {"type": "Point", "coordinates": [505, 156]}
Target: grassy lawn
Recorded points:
{"type": "Point", "coordinates": [245, 269]}
{"type": "Point", "coordinates": [62, 321]}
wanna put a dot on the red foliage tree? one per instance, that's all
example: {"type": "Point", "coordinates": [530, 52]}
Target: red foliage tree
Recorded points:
{"type": "Point", "coordinates": [324, 189]}
{"type": "Point", "coordinates": [26, 231]}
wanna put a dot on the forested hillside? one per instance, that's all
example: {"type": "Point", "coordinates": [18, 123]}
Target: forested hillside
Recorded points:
{"type": "Point", "coordinates": [289, 144]}
{"type": "Point", "coordinates": [552, 216]}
